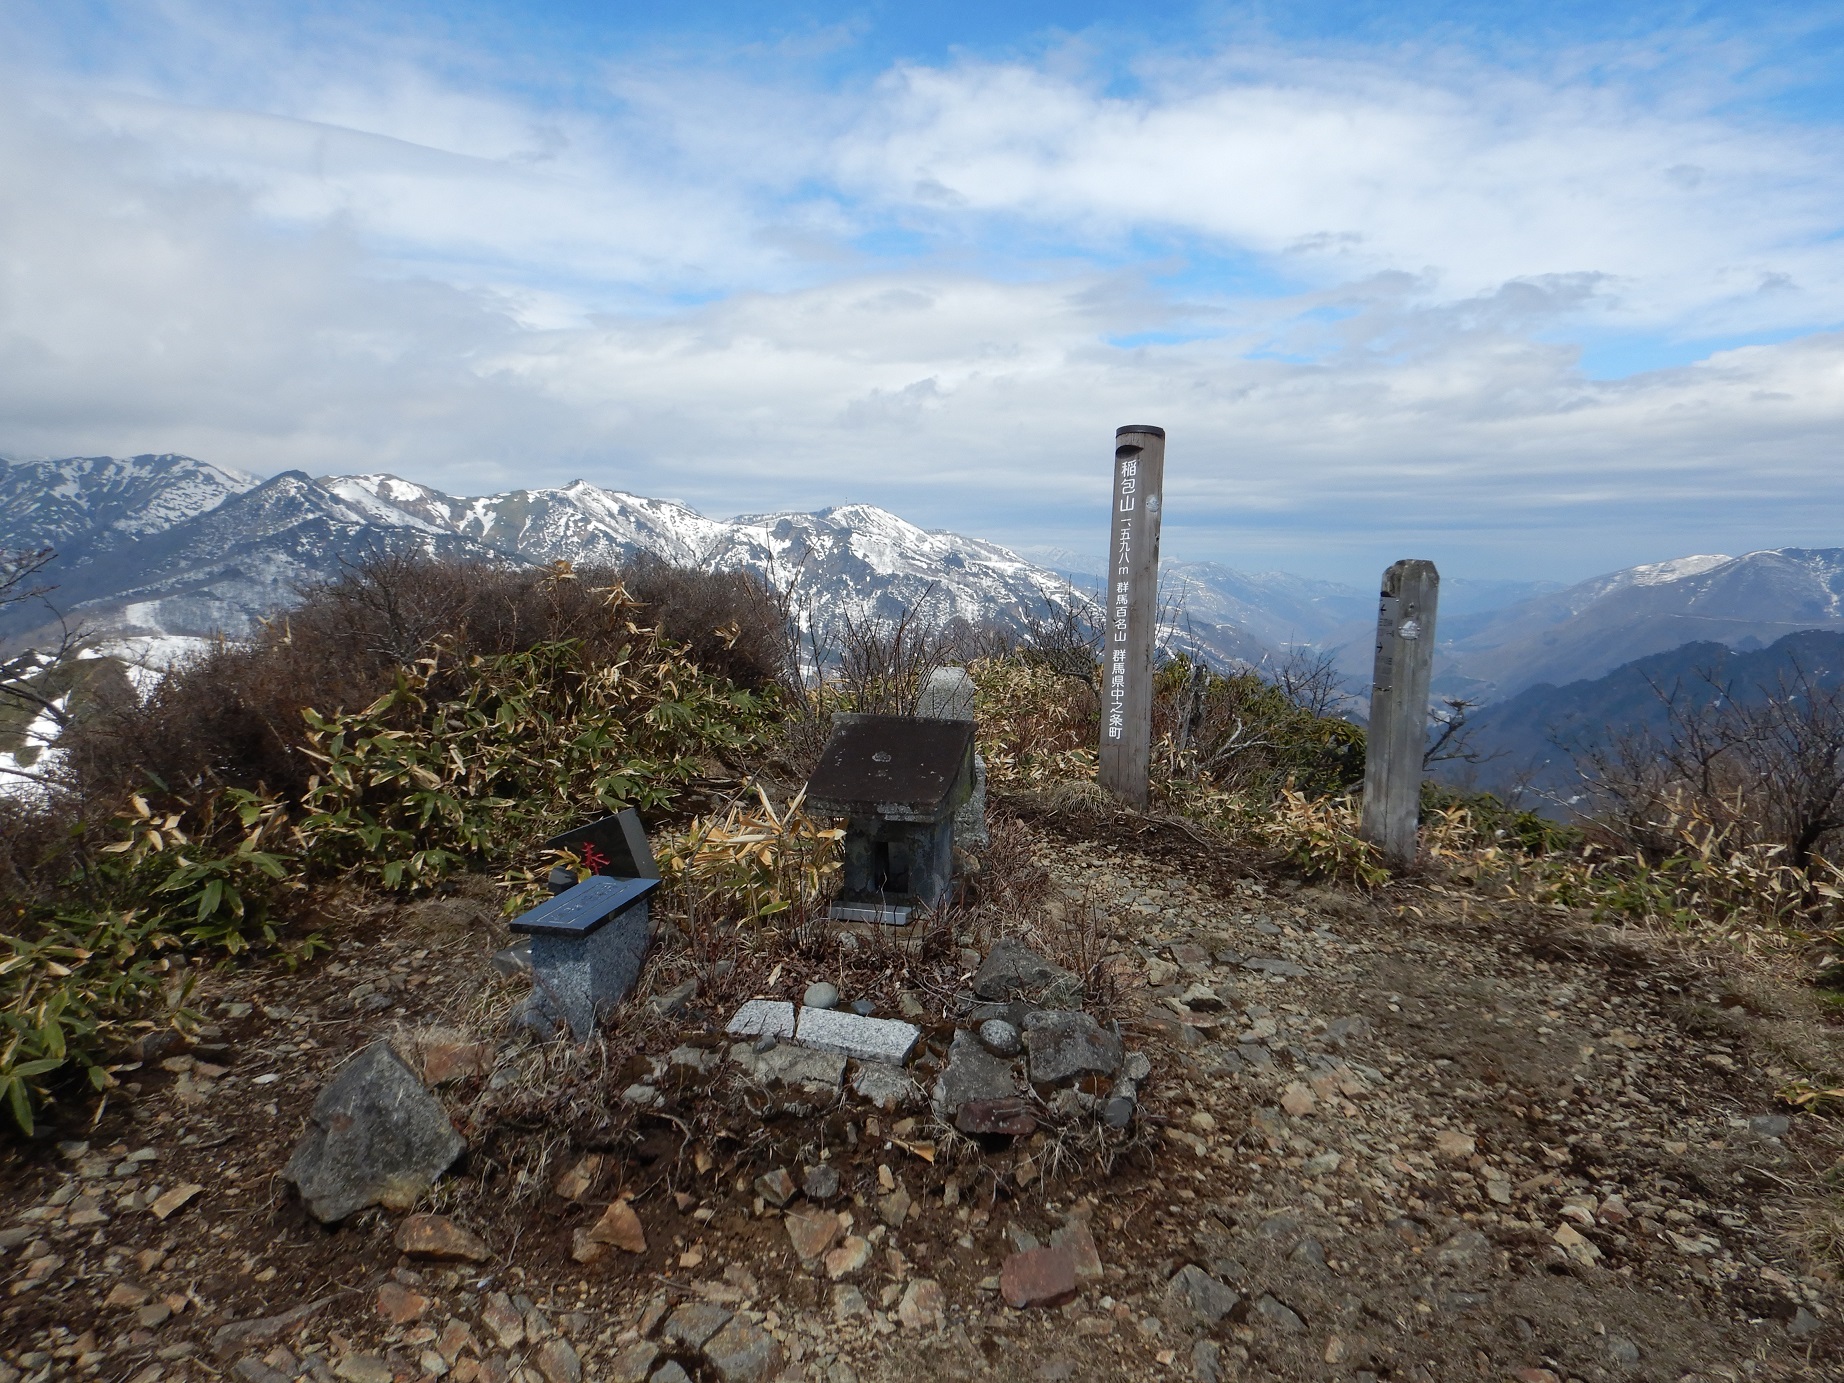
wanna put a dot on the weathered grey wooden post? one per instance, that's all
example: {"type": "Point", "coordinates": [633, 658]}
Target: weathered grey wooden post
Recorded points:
{"type": "Point", "coordinates": [1131, 598]}
{"type": "Point", "coordinates": [1398, 734]}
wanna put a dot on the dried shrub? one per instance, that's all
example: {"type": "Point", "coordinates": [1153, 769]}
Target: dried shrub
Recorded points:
{"type": "Point", "coordinates": [232, 717]}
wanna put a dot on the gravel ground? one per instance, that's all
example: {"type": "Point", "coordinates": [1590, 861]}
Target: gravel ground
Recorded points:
{"type": "Point", "coordinates": [1408, 1137]}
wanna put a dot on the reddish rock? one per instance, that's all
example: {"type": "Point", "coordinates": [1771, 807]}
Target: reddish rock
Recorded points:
{"type": "Point", "coordinates": [1075, 1239]}
{"type": "Point", "coordinates": [399, 1305]}
{"type": "Point", "coordinates": [812, 1231]}
{"type": "Point", "coordinates": [446, 1061]}
{"type": "Point", "coordinates": [1038, 1277]}
{"type": "Point", "coordinates": [455, 1337]}
{"type": "Point", "coordinates": [437, 1236]}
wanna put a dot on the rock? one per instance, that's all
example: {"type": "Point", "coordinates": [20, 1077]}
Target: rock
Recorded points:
{"type": "Point", "coordinates": [437, 1236]}
{"type": "Point", "coordinates": [923, 1307]}
{"type": "Point", "coordinates": [1195, 1299]}
{"type": "Point", "coordinates": [999, 1037]}
{"type": "Point", "coordinates": [620, 1227]}
{"type": "Point", "coordinates": [1770, 1125]}
{"type": "Point", "coordinates": [1038, 1277]}
{"type": "Point", "coordinates": [675, 1000]}
{"type": "Point", "coordinates": [1065, 1046]}
{"type": "Point", "coordinates": [164, 1205]}
{"type": "Point", "coordinates": [1013, 970]}
{"type": "Point", "coordinates": [125, 1296]}
{"type": "Point", "coordinates": [848, 1258]}
{"type": "Point", "coordinates": [1804, 1323]}
{"type": "Point", "coordinates": [557, 1361]}
{"type": "Point", "coordinates": [400, 1305]}
{"type": "Point", "coordinates": [633, 1364]}
{"type": "Point", "coordinates": [853, 1035]}
{"type": "Point", "coordinates": [821, 995]}
{"type": "Point", "coordinates": [581, 1178]}
{"type": "Point", "coordinates": [264, 1330]}
{"type": "Point", "coordinates": [763, 1018]}
{"type": "Point", "coordinates": [1271, 966]}
{"type": "Point", "coordinates": [689, 1058]}
{"type": "Point", "coordinates": [821, 1182]}
{"type": "Point", "coordinates": [1201, 998]}
{"type": "Point", "coordinates": [670, 1372]}
{"type": "Point", "coordinates": [743, 1352]}
{"type": "Point", "coordinates": [1298, 1100]}
{"type": "Point", "coordinates": [249, 1368]}
{"type": "Point", "coordinates": [695, 1322]}
{"type": "Point", "coordinates": [446, 1060]}
{"type": "Point", "coordinates": [776, 1187]}
{"type": "Point", "coordinates": [811, 1231]}
{"type": "Point", "coordinates": [1278, 1314]}
{"type": "Point", "coordinates": [1466, 1249]}
{"type": "Point", "coordinates": [1075, 1240]}
{"type": "Point", "coordinates": [888, 1087]}
{"type": "Point", "coordinates": [1621, 1352]}
{"type": "Point", "coordinates": [515, 959]}
{"type": "Point", "coordinates": [375, 1135]}
{"type": "Point", "coordinates": [893, 1209]}
{"type": "Point", "coordinates": [864, 1008]}
{"type": "Point", "coordinates": [1207, 1362]}
{"type": "Point", "coordinates": [848, 1303]}
{"type": "Point", "coordinates": [789, 1064]}
{"type": "Point", "coordinates": [971, 1073]}
{"type": "Point", "coordinates": [1450, 1145]}
{"type": "Point", "coordinates": [362, 1368]}
{"type": "Point", "coordinates": [1009, 1116]}
{"type": "Point", "coordinates": [504, 1319]}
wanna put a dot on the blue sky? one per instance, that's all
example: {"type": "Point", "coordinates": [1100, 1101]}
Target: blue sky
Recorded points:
{"type": "Point", "coordinates": [1537, 291]}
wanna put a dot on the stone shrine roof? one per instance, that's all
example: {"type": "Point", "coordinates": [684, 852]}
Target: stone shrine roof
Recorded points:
{"type": "Point", "coordinates": [897, 767]}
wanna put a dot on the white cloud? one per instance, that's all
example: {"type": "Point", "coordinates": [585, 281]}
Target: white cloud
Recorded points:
{"type": "Point", "coordinates": [383, 267]}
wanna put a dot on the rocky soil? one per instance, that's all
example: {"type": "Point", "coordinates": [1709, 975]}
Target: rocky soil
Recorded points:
{"type": "Point", "coordinates": [1401, 1137]}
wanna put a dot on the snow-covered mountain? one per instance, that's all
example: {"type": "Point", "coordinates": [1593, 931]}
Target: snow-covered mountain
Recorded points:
{"type": "Point", "coordinates": [167, 545]}
{"type": "Point", "coordinates": [95, 503]}
{"type": "Point", "coordinates": [198, 568]}
{"type": "Point", "coordinates": [1587, 630]}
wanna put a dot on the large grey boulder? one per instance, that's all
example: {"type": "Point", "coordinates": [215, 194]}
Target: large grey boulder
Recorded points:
{"type": "Point", "coordinates": [1012, 970]}
{"type": "Point", "coordinates": [375, 1136]}
{"type": "Point", "coordinates": [1065, 1046]}
{"type": "Point", "coordinates": [972, 1073]}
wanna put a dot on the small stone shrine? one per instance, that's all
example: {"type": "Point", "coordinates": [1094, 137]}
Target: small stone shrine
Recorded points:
{"type": "Point", "coordinates": [898, 781]}
{"type": "Point", "coordinates": [590, 940]}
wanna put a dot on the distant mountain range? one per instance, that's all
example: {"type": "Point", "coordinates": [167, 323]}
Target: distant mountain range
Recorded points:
{"type": "Point", "coordinates": [1533, 738]}
{"type": "Point", "coordinates": [165, 545]}
{"type": "Point", "coordinates": [168, 545]}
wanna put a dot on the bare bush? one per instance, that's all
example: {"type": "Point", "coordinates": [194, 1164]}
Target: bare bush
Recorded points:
{"type": "Point", "coordinates": [1765, 770]}
{"type": "Point", "coordinates": [233, 715]}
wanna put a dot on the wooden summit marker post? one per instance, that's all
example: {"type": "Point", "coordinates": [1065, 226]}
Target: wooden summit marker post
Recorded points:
{"type": "Point", "coordinates": [1132, 601]}
{"type": "Point", "coordinates": [1398, 734]}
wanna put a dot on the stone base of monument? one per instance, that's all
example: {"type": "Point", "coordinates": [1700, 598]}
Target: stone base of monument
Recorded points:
{"type": "Point", "coordinates": [587, 946]}
{"type": "Point", "coordinates": [869, 912]}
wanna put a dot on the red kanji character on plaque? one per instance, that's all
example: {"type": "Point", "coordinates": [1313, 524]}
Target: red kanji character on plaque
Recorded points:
{"type": "Point", "coordinates": [594, 859]}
